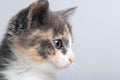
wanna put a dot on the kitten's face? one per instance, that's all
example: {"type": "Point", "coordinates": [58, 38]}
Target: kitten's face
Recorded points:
{"type": "Point", "coordinates": [47, 38]}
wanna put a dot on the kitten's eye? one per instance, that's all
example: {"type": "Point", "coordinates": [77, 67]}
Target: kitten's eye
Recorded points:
{"type": "Point", "coordinates": [58, 43]}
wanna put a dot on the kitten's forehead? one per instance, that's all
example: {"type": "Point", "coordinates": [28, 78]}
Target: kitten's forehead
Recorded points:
{"type": "Point", "coordinates": [55, 32]}
{"type": "Point", "coordinates": [56, 22]}
{"type": "Point", "coordinates": [56, 25]}
{"type": "Point", "coordinates": [60, 26]}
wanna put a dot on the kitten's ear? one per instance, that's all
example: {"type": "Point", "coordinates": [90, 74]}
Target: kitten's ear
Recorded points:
{"type": "Point", "coordinates": [67, 12]}
{"type": "Point", "coordinates": [38, 11]}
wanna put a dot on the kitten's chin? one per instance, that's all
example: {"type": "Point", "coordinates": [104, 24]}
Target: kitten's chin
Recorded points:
{"type": "Point", "coordinates": [61, 67]}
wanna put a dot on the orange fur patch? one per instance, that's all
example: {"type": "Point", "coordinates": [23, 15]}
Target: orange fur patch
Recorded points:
{"type": "Point", "coordinates": [30, 52]}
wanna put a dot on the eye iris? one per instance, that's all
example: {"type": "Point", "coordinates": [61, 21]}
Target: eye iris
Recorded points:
{"type": "Point", "coordinates": [58, 44]}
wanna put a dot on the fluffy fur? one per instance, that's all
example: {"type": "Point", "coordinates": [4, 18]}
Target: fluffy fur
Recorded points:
{"type": "Point", "coordinates": [37, 44]}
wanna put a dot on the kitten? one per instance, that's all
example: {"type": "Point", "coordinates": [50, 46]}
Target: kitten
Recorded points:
{"type": "Point", "coordinates": [37, 44]}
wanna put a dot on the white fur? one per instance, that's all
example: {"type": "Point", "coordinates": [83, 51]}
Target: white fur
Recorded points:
{"type": "Point", "coordinates": [25, 69]}
{"type": "Point", "coordinates": [62, 61]}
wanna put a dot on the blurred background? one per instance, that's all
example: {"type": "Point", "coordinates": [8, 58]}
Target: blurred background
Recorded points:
{"type": "Point", "coordinates": [96, 30]}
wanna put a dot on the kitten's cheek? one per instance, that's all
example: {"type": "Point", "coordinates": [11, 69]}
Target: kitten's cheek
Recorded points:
{"type": "Point", "coordinates": [62, 63]}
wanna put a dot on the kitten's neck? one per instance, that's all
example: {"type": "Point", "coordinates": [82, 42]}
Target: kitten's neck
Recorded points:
{"type": "Point", "coordinates": [28, 74]}
{"type": "Point", "coordinates": [25, 69]}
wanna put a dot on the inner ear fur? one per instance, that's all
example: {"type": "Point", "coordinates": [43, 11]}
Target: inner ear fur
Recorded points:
{"type": "Point", "coordinates": [37, 11]}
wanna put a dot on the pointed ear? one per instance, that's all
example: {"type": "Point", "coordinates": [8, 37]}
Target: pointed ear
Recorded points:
{"type": "Point", "coordinates": [37, 11]}
{"type": "Point", "coordinates": [67, 12]}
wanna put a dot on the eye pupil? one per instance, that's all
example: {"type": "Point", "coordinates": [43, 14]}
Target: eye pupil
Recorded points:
{"type": "Point", "coordinates": [58, 44]}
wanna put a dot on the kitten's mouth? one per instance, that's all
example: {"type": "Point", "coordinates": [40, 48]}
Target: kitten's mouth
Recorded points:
{"type": "Point", "coordinates": [62, 67]}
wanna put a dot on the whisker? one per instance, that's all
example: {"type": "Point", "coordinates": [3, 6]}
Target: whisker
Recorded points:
{"type": "Point", "coordinates": [82, 69]}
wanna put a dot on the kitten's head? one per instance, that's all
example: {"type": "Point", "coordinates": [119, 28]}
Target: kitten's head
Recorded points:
{"type": "Point", "coordinates": [42, 35]}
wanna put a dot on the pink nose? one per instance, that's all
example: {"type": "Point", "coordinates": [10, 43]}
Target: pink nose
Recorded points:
{"type": "Point", "coordinates": [71, 59]}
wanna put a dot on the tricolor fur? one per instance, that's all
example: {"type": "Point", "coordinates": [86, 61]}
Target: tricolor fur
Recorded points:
{"type": "Point", "coordinates": [37, 44]}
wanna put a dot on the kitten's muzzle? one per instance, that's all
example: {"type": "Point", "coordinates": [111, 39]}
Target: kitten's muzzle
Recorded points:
{"type": "Point", "coordinates": [71, 59]}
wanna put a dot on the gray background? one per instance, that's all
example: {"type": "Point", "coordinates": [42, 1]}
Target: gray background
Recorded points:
{"type": "Point", "coordinates": [96, 29]}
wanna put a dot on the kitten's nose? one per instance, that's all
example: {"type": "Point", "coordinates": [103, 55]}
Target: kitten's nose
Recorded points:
{"type": "Point", "coordinates": [71, 59]}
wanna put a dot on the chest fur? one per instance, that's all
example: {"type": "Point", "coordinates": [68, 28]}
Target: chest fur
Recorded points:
{"type": "Point", "coordinates": [32, 74]}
